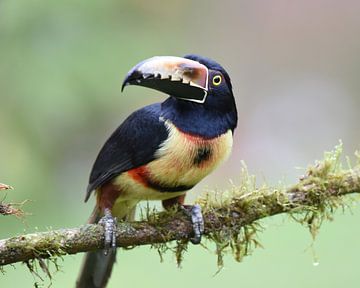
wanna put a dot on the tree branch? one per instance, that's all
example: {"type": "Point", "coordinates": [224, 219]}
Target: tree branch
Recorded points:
{"type": "Point", "coordinates": [5, 187]}
{"type": "Point", "coordinates": [310, 201]}
{"type": "Point", "coordinates": [11, 208]}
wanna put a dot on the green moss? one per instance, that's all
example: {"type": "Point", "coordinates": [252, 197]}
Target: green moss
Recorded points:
{"type": "Point", "coordinates": [234, 213]}
{"type": "Point", "coordinates": [45, 258]}
{"type": "Point", "coordinates": [180, 249]}
{"type": "Point", "coordinates": [243, 200]}
{"type": "Point", "coordinates": [319, 184]}
{"type": "Point", "coordinates": [157, 219]}
{"type": "Point", "coordinates": [177, 248]}
{"type": "Point", "coordinates": [310, 202]}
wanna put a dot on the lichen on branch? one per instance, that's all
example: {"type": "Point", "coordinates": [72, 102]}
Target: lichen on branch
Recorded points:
{"type": "Point", "coordinates": [231, 217]}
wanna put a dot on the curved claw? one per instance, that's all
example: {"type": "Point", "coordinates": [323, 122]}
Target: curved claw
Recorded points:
{"type": "Point", "coordinates": [109, 223]}
{"type": "Point", "coordinates": [197, 221]}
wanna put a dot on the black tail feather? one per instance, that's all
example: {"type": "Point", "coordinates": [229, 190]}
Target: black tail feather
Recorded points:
{"type": "Point", "coordinates": [97, 267]}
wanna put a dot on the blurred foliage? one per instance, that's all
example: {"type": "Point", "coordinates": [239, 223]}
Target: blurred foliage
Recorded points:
{"type": "Point", "coordinates": [295, 70]}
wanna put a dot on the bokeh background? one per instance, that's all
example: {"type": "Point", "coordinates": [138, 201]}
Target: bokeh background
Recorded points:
{"type": "Point", "coordinates": [295, 69]}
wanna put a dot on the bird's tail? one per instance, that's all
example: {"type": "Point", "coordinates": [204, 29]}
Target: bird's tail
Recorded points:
{"type": "Point", "coordinates": [96, 268]}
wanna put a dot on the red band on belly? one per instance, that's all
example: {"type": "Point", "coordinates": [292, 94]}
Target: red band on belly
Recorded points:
{"type": "Point", "coordinates": [140, 175]}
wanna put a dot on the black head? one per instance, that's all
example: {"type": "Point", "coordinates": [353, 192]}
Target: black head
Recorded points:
{"type": "Point", "coordinates": [220, 92]}
{"type": "Point", "coordinates": [197, 85]}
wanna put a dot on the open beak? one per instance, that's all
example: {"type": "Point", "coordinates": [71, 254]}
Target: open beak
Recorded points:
{"type": "Point", "coordinates": [179, 77]}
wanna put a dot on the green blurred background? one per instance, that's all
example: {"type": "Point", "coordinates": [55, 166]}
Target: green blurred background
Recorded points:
{"type": "Point", "coordinates": [295, 69]}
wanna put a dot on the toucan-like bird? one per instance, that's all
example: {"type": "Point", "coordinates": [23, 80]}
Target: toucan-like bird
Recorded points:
{"type": "Point", "coordinates": [163, 150]}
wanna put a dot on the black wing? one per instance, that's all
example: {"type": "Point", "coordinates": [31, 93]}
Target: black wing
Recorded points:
{"type": "Point", "coordinates": [131, 145]}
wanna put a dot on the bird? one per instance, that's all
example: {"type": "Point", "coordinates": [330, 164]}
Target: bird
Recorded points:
{"type": "Point", "coordinates": [161, 151]}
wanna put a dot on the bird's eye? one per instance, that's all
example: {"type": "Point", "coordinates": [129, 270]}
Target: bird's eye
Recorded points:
{"type": "Point", "coordinates": [216, 80]}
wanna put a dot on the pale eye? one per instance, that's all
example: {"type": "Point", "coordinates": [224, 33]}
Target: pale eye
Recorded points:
{"type": "Point", "coordinates": [216, 80]}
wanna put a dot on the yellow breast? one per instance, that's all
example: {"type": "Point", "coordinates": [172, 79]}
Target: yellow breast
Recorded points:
{"type": "Point", "coordinates": [182, 161]}
{"type": "Point", "coordinates": [185, 159]}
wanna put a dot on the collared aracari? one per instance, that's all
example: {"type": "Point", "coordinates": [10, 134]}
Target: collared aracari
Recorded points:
{"type": "Point", "coordinates": [163, 150]}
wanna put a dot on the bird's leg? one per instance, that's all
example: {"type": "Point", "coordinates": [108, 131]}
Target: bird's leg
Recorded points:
{"type": "Point", "coordinates": [197, 220]}
{"type": "Point", "coordinates": [106, 197]}
{"type": "Point", "coordinates": [109, 223]}
{"type": "Point", "coordinates": [193, 212]}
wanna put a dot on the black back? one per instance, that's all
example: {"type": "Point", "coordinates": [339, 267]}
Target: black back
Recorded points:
{"type": "Point", "coordinates": [131, 145]}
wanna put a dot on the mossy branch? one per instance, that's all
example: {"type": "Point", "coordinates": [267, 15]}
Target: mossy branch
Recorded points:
{"type": "Point", "coordinates": [230, 217]}
{"type": "Point", "coordinates": [5, 186]}
{"type": "Point", "coordinates": [10, 208]}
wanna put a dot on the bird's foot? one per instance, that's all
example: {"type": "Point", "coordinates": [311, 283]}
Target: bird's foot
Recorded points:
{"type": "Point", "coordinates": [197, 220]}
{"type": "Point", "coordinates": [109, 223]}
